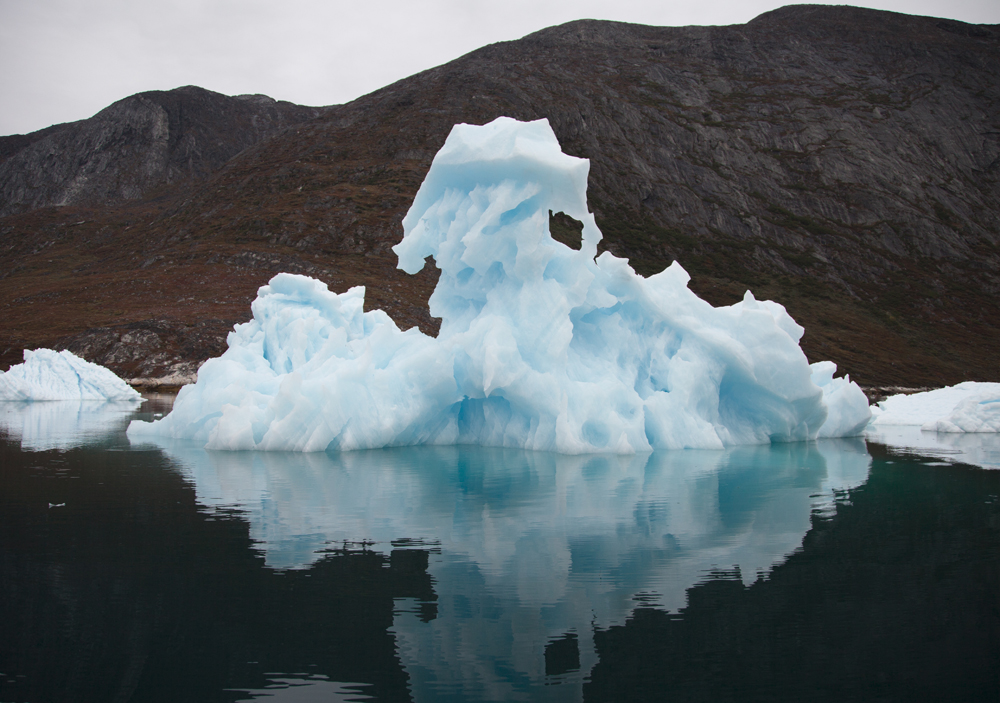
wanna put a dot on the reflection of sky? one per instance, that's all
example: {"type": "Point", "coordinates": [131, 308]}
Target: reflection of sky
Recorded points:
{"type": "Point", "coordinates": [63, 424]}
{"type": "Point", "coordinates": [530, 546]}
{"type": "Point", "coordinates": [978, 449]}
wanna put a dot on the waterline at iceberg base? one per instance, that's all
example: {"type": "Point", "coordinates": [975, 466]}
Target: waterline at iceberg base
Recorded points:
{"type": "Point", "coordinates": [541, 346]}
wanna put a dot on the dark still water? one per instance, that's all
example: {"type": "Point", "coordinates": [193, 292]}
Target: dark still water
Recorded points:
{"type": "Point", "coordinates": [825, 571]}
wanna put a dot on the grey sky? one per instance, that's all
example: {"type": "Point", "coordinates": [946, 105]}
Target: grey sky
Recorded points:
{"type": "Point", "coordinates": [67, 59]}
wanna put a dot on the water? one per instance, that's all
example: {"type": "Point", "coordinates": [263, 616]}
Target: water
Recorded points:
{"type": "Point", "coordinates": [835, 570]}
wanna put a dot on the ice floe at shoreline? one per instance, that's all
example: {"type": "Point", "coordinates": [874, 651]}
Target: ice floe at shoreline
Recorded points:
{"type": "Point", "coordinates": [957, 424]}
{"type": "Point", "coordinates": [967, 407]}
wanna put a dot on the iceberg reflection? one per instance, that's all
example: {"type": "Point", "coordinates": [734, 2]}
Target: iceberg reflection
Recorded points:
{"type": "Point", "coordinates": [64, 424]}
{"type": "Point", "coordinates": [530, 547]}
{"type": "Point", "coordinates": [980, 449]}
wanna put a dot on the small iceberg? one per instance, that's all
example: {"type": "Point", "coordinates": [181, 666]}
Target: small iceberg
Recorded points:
{"type": "Point", "coordinates": [967, 407]}
{"type": "Point", "coordinates": [51, 375]}
{"type": "Point", "coordinates": [541, 347]}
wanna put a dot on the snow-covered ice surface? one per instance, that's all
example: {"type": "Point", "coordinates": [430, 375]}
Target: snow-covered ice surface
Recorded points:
{"type": "Point", "coordinates": [966, 407]}
{"type": "Point", "coordinates": [51, 375]}
{"type": "Point", "coordinates": [541, 346]}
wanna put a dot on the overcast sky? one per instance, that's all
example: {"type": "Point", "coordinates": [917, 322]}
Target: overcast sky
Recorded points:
{"type": "Point", "coordinates": [65, 60]}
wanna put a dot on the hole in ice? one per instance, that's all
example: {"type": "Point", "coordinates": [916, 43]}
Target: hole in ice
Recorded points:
{"type": "Point", "coordinates": [565, 229]}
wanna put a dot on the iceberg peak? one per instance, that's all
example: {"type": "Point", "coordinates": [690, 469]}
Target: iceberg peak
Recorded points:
{"type": "Point", "coordinates": [541, 346]}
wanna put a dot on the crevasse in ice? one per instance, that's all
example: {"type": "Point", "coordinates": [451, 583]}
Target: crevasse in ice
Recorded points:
{"type": "Point", "coordinates": [47, 374]}
{"type": "Point", "coordinates": [541, 346]}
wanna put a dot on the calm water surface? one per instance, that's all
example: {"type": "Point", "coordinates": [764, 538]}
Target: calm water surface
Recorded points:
{"type": "Point", "coordinates": [833, 570]}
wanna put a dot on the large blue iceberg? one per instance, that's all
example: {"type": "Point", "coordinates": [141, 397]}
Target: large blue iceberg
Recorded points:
{"type": "Point", "coordinates": [541, 346]}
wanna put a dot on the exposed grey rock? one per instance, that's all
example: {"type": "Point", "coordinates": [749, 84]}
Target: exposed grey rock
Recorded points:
{"type": "Point", "coordinates": [153, 353]}
{"type": "Point", "coordinates": [834, 142]}
{"type": "Point", "coordinates": [135, 145]}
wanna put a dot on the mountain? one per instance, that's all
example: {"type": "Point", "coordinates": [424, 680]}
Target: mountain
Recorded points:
{"type": "Point", "coordinates": [841, 161]}
{"type": "Point", "coordinates": [128, 149]}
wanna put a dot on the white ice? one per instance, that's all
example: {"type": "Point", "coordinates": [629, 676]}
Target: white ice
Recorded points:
{"type": "Point", "coordinates": [541, 346]}
{"type": "Point", "coordinates": [51, 375]}
{"type": "Point", "coordinates": [966, 407]}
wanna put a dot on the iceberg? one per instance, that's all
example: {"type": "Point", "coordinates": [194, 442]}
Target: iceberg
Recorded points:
{"type": "Point", "coordinates": [847, 406]}
{"type": "Point", "coordinates": [967, 407]}
{"type": "Point", "coordinates": [541, 346]}
{"type": "Point", "coordinates": [50, 375]}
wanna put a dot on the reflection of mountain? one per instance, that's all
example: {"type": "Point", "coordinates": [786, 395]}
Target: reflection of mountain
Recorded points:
{"type": "Point", "coordinates": [532, 545]}
{"type": "Point", "coordinates": [133, 589]}
{"type": "Point", "coordinates": [127, 592]}
{"type": "Point", "coordinates": [895, 599]}
{"type": "Point", "coordinates": [63, 424]}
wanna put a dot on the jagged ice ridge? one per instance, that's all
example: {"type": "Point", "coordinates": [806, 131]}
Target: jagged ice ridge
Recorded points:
{"type": "Point", "coordinates": [61, 375]}
{"type": "Point", "coordinates": [541, 346]}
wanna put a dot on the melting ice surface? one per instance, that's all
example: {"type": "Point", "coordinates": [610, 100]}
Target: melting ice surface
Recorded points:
{"type": "Point", "coordinates": [541, 346]}
{"type": "Point", "coordinates": [51, 375]}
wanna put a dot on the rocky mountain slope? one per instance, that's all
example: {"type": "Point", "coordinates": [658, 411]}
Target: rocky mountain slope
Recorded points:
{"type": "Point", "coordinates": [135, 145]}
{"type": "Point", "coordinates": [841, 161]}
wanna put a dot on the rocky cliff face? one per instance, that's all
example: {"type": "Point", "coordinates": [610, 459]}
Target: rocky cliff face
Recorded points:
{"type": "Point", "coordinates": [833, 140]}
{"type": "Point", "coordinates": [135, 145]}
{"type": "Point", "coordinates": [842, 161]}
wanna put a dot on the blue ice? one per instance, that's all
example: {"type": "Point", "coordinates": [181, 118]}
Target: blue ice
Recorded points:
{"type": "Point", "coordinates": [541, 346]}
